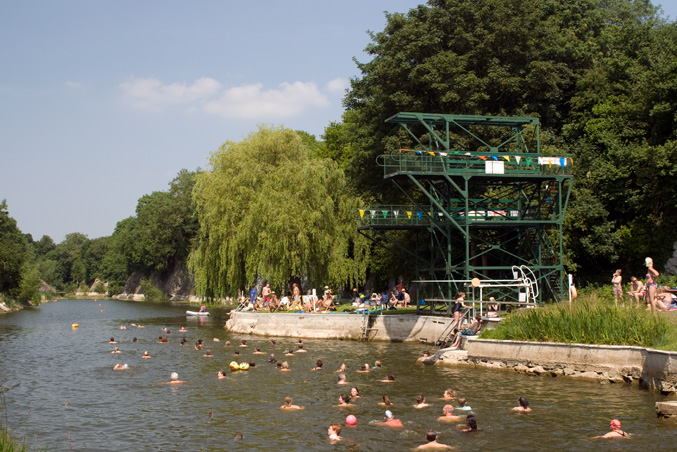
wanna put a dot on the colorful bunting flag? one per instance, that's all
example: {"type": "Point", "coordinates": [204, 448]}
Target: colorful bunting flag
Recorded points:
{"type": "Point", "coordinates": [494, 157]}
{"type": "Point", "coordinates": [373, 212]}
{"type": "Point", "coordinates": [385, 213]}
{"type": "Point", "coordinates": [419, 214]}
{"type": "Point", "coordinates": [431, 153]}
{"type": "Point", "coordinates": [361, 213]}
{"type": "Point", "coordinates": [409, 214]}
{"type": "Point", "coordinates": [518, 158]}
{"type": "Point", "coordinates": [507, 158]}
{"type": "Point", "coordinates": [396, 212]}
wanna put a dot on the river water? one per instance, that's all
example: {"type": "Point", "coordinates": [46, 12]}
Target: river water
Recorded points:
{"type": "Point", "coordinates": [65, 394]}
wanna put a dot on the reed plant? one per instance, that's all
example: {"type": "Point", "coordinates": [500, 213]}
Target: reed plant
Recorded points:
{"type": "Point", "coordinates": [588, 320]}
{"type": "Point", "coordinates": [8, 444]}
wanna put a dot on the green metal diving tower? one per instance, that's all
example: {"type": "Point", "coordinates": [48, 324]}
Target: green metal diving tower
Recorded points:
{"type": "Point", "coordinates": [481, 198]}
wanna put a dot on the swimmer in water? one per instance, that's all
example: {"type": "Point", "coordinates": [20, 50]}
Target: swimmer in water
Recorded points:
{"type": "Point", "coordinates": [208, 354]}
{"type": "Point", "coordinates": [364, 368]}
{"type": "Point", "coordinates": [448, 412]}
{"type": "Point", "coordinates": [342, 379]}
{"type": "Point", "coordinates": [471, 423]}
{"type": "Point", "coordinates": [257, 351]}
{"type": "Point", "coordinates": [243, 343]}
{"type": "Point", "coordinates": [145, 355]}
{"type": "Point", "coordinates": [522, 405]}
{"type": "Point", "coordinates": [389, 420]}
{"type": "Point", "coordinates": [221, 374]}
{"type": "Point", "coordinates": [119, 366]}
{"type": "Point", "coordinates": [272, 358]}
{"type": "Point", "coordinates": [449, 394]}
{"type": "Point", "coordinates": [284, 367]}
{"type": "Point", "coordinates": [354, 393]}
{"type": "Point", "coordinates": [289, 353]}
{"type": "Point", "coordinates": [462, 404]}
{"type": "Point", "coordinates": [116, 350]}
{"type": "Point", "coordinates": [420, 402]}
{"type": "Point", "coordinates": [301, 350]}
{"type": "Point", "coordinates": [122, 327]}
{"type": "Point", "coordinates": [385, 400]}
{"type": "Point", "coordinates": [344, 400]}
{"type": "Point", "coordinates": [342, 368]}
{"type": "Point", "coordinates": [389, 379]}
{"type": "Point", "coordinates": [183, 330]}
{"type": "Point", "coordinates": [334, 432]}
{"type": "Point", "coordinates": [616, 431]}
{"type": "Point", "coordinates": [174, 379]}
{"type": "Point", "coordinates": [289, 404]}
{"type": "Point", "coordinates": [112, 341]}
{"type": "Point", "coordinates": [432, 443]}
{"type": "Point", "coordinates": [318, 365]}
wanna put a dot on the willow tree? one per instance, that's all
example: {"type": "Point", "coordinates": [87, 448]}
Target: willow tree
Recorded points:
{"type": "Point", "coordinates": [268, 208]}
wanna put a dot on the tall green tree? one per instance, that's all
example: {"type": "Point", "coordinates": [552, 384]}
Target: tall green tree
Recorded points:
{"type": "Point", "coordinates": [13, 253]}
{"type": "Point", "coordinates": [268, 208]}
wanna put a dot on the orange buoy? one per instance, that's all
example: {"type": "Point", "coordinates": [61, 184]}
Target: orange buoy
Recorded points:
{"type": "Point", "coordinates": [74, 325]}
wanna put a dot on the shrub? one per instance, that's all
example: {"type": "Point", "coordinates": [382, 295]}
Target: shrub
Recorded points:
{"type": "Point", "coordinates": [152, 293]}
{"type": "Point", "coordinates": [589, 320]}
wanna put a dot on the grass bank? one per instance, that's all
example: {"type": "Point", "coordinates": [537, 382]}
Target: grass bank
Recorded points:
{"type": "Point", "coordinates": [589, 320]}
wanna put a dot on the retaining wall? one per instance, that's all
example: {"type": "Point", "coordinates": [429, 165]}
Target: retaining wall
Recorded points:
{"type": "Point", "coordinates": [391, 328]}
{"type": "Point", "coordinates": [650, 368]}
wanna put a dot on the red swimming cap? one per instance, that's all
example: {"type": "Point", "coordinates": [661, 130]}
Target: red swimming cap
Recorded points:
{"type": "Point", "coordinates": [615, 423]}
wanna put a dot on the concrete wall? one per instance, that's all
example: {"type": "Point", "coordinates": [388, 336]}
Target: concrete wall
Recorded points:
{"type": "Point", "coordinates": [391, 328]}
{"type": "Point", "coordinates": [650, 368]}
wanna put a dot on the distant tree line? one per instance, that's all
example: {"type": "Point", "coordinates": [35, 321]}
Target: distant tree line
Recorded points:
{"type": "Point", "coordinates": [601, 75]}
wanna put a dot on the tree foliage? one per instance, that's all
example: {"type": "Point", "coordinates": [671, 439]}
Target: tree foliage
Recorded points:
{"type": "Point", "coordinates": [268, 208]}
{"type": "Point", "coordinates": [13, 253]}
{"type": "Point", "coordinates": [601, 76]}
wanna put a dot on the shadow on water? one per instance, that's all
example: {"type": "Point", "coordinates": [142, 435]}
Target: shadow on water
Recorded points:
{"type": "Point", "coordinates": [69, 397]}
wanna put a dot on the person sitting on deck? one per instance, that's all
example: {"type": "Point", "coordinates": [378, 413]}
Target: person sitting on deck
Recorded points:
{"type": "Point", "coordinates": [493, 308]}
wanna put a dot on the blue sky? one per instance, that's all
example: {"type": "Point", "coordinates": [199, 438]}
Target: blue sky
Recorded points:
{"type": "Point", "coordinates": [102, 102]}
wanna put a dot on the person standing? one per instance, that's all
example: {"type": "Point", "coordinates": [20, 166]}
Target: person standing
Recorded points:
{"type": "Point", "coordinates": [252, 295]}
{"type": "Point", "coordinates": [636, 288]}
{"type": "Point", "coordinates": [651, 288]}
{"type": "Point", "coordinates": [406, 297]}
{"type": "Point", "coordinates": [616, 281]}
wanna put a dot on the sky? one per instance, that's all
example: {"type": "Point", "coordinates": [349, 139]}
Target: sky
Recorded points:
{"type": "Point", "coordinates": [102, 102]}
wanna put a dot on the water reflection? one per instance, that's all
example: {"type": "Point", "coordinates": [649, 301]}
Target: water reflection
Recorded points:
{"type": "Point", "coordinates": [68, 396]}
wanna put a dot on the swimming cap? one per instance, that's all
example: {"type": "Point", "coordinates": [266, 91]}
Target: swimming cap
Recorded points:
{"type": "Point", "coordinates": [389, 414]}
{"type": "Point", "coordinates": [175, 376]}
{"type": "Point", "coordinates": [351, 420]}
{"type": "Point", "coordinates": [615, 423]}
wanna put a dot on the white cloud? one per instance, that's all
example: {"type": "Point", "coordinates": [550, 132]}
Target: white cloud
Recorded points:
{"type": "Point", "coordinates": [206, 94]}
{"type": "Point", "coordinates": [152, 94]}
{"type": "Point", "coordinates": [338, 84]}
{"type": "Point", "coordinates": [252, 101]}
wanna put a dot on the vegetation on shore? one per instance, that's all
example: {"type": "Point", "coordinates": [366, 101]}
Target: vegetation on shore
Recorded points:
{"type": "Point", "coordinates": [280, 205]}
{"type": "Point", "coordinates": [590, 319]}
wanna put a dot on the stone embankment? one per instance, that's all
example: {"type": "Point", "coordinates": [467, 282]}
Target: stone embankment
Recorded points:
{"type": "Point", "coordinates": [653, 369]}
{"type": "Point", "coordinates": [389, 328]}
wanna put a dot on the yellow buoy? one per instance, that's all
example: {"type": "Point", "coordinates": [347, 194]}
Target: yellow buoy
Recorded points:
{"type": "Point", "coordinates": [74, 325]}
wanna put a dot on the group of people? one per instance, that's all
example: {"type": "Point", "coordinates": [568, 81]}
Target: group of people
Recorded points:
{"type": "Point", "coordinates": [268, 300]}
{"type": "Point", "coordinates": [655, 298]}
{"type": "Point", "coordinates": [455, 410]}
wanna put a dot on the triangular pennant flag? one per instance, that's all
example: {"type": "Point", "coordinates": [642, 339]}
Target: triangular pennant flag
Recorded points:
{"type": "Point", "coordinates": [482, 157]}
{"type": "Point", "coordinates": [518, 158]}
{"type": "Point", "coordinates": [409, 214]}
{"type": "Point", "coordinates": [396, 212]}
{"type": "Point", "coordinates": [457, 152]}
{"type": "Point", "coordinates": [572, 160]}
{"type": "Point", "coordinates": [563, 161]}
{"type": "Point", "coordinates": [373, 212]}
{"type": "Point", "coordinates": [528, 160]}
{"type": "Point", "coordinates": [431, 153]}
{"type": "Point", "coordinates": [443, 154]}
{"type": "Point", "coordinates": [361, 213]}
{"type": "Point", "coordinates": [385, 213]}
{"type": "Point", "coordinates": [494, 157]}
{"type": "Point", "coordinates": [507, 158]}
{"type": "Point", "coordinates": [419, 152]}
{"type": "Point", "coordinates": [405, 150]}
{"type": "Point", "coordinates": [419, 214]}
{"type": "Point", "coordinates": [549, 163]}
